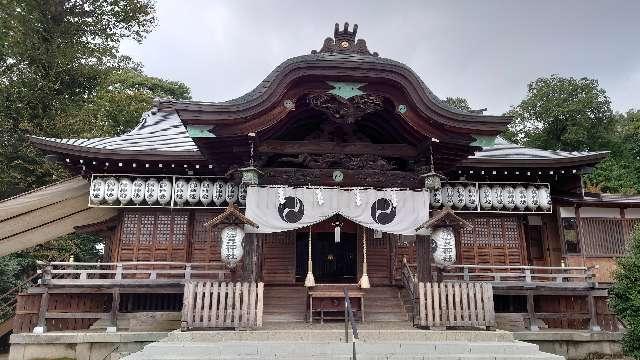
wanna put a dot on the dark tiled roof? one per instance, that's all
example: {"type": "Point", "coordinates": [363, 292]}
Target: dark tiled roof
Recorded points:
{"type": "Point", "coordinates": [161, 130]}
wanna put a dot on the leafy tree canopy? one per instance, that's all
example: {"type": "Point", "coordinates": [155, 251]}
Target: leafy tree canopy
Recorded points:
{"type": "Point", "coordinates": [563, 113]}
{"type": "Point", "coordinates": [459, 103]}
{"type": "Point", "coordinates": [61, 76]}
{"type": "Point", "coordinates": [625, 296]}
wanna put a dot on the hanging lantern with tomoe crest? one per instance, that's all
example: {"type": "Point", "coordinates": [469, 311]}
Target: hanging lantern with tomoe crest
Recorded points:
{"type": "Point", "coordinates": [443, 246]}
{"type": "Point", "coordinates": [232, 234]}
{"type": "Point", "coordinates": [231, 245]}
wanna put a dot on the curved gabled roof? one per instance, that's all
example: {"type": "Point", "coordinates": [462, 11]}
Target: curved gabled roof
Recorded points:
{"type": "Point", "coordinates": [159, 133]}
{"type": "Point", "coordinates": [505, 153]}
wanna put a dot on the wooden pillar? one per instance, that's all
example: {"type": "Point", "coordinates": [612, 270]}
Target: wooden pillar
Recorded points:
{"type": "Point", "coordinates": [423, 258]}
{"type": "Point", "coordinates": [593, 316]}
{"type": "Point", "coordinates": [250, 259]}
{"type": "Point", "coordinates": [531, 310]}
{"type": "Point", "coordinates": [115, 305]}
{"type": "Point", "coordinates": [42, 313]}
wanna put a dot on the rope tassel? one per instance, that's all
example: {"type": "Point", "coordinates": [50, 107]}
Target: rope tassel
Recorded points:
{"type": "Point", "coordinates": [364, 280]}
{"type": "Point", "coordinates": [309, 280]}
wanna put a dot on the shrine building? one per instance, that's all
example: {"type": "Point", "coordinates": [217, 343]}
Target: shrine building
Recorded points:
{"type": "Point", "coordinates": [340, 170]}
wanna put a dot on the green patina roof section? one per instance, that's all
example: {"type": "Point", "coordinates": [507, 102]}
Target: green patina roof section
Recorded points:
{"type": "Point", "coordinates": [484, 140]}
{"type": "Point", "coordinates": [345, 90]}
{"type": "Point", "coordinates": [200, 131]}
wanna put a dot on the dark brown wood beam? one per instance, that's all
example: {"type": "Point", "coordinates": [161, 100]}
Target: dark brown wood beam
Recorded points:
{"type": "Point", "coordinates": [297, 147]}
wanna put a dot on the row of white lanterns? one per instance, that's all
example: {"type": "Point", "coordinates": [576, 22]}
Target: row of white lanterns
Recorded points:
{"type": "Point", "coordinates": [488, 197]}
{"type": "Point", "coordinates": [174, 191]}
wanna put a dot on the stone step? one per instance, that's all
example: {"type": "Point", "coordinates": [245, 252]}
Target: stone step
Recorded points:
{"type": "Point", "coordinates": [377, 350]}
{"type": "Point", "coordinates": [327, 335]}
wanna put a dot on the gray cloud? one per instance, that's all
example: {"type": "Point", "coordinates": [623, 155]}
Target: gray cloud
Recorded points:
{"type": "Point", "coordinates": [486, 51]}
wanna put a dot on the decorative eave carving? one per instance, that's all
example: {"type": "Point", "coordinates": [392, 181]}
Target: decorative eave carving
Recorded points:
{"type": "Point", "coordinates": [346, 111]}
{"type": "Point", "coordinates": [344, 42]}
{"type": "Point", "coordinates": [231, 216]}
{"type": "Point", "coordinates": [445, 217]}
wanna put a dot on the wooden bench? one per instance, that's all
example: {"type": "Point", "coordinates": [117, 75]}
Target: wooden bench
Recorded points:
{"type": "Point", "coordinates": [327, 302]}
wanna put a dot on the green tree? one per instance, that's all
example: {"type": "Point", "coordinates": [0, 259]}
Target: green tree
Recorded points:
{"type": "Point", "coordinates": [54, 54]}
{"type": "Point", "coordinates": [459, 103]}
{"type": "Point", "coordinates": [620, 173]}
{"type": "Point", "coordinates": [563, 113]}
{"type": "Point", "coordinates": [625, 296]}
{"type": "Point", "coordinates": [61, 76]}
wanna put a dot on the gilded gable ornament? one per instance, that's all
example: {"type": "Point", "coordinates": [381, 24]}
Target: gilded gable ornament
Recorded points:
{"type": "Point", "coordinates": [344, 42]}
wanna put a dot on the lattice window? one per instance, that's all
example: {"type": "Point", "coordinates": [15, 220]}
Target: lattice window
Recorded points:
{"type": "Point", "coordinates": [492, 241]}
{"type": "Point", "coordinates": [201, 234]}
{"type": "Point", "coordinates": [512, 233]}
{"type": "Point", "coordinates": [147, 227]}
{"type": "Point", "coordinates": [606, 236]}
{"type": "Point", "coordinates": [163, 229]}
{"type": "Point", "coordinates": [180, 225]}
{"type": "Point", "coordinates": [130, 228]}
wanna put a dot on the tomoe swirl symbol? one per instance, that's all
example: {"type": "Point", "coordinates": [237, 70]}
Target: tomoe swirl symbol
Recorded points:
{"type": "Point", "coordinates": [382, 211]}
{"type": "Point", "coordinates": [291, 210]}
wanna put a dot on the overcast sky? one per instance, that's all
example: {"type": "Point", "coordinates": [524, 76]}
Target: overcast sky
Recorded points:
{"type": "Point", "coordinates": [484, 50]}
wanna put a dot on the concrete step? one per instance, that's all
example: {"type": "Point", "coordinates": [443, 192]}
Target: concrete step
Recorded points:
{"type": "Point", "coordinates": [340, 350]}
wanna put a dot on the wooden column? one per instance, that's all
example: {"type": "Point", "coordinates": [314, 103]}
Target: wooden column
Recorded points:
{"type": "Point", "coordinates": [250, 258]}
{"type": "Point", "coordinates": [531, 310]}
{"type": "Point", "coordinates": [44, 306]}
{"type": "Point", "coordinates": [423, 258]}
{"type": "Point", "coordinates": [115, 305]}
{"type": "Point", "coordinates": [593, 316]}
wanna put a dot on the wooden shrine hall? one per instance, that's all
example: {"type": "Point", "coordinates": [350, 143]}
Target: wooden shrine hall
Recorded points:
{"type": "Point", "coordinates": [341, 169]}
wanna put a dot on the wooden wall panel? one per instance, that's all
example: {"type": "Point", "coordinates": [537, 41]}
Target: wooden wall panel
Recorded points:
{"type": "Point", "coordinates": [493, 240]}
{"type": "Point", "coordinates": [278, 257]}
{"type": "Point", "coordinates": [205, 243]}
{"type": "Point", "coordinates": [153, 235]}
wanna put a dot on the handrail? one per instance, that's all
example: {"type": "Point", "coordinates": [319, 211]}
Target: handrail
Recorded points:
{"type": "Point", "coordinates": [517, 273]}
{"type": "Point", "coordinates": [348, 318]}
{"type": "Point", "coordinates": [125, 272]}
{"type": "Point", "coordinates": [409, 282]}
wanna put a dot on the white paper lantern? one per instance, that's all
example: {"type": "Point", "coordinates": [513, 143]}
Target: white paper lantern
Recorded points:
{"type": "Point", "coordinates": [485, 197]}
{"type": "Point", "coordinates": [231, 245]}
{"type": "Point", "coordinates": [471, 200]}
{"type": "Point", "coordinates": [532, 198]}
{"type": "Point", "coordinates": [164, 191]}
{"type": "Point", "coordinates": [151, 191]}
{"type": "Point", "coordinates": [242, 193]}
{"type": "Point", "coordinates": [544, 198]}
{"type": "Point", "coordinates": [137, 192]}
{"type": "Point", "coordinates": [231, 193]}
{"type": "Point", "coordinates": [447, 196]}
{"type": "Point", "coordinates": [180, 192]}
{"type": "Point", "coordinates": [193, 191]}
{"type": "Point", "coordinates": [459, 196]}
{"type": "Point", "coordinates": [125, 189]}
{"type": "Point", "coordinates": [509, 197]}
{"type": "Point", "coordinates": [496, 197]}
{"type": "Point", "coordinates": [206, 192]}
{"type": "Point", "coordinates": [436, 198]}
{"type": "Point", "coordinates": [96, 195]}
{"type": "Point", "coordinates": [111, 190]}
{"type": "Point", "coordinates": [443, 246]}
{"type": "Point", "coordinates": [218, 192]}
{"type": "Point", "coordinates": [521, 198]}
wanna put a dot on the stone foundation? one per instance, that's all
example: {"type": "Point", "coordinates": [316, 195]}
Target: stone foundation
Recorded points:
{"type": "Point", "coordinates": [575, 345]}
{"type": "Point", "coordinates": [79, 345]}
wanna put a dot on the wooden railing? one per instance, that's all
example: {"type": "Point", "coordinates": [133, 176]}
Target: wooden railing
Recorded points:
{"type": "Point", "coordinates": [212, 304]}
{"type": "Point", "coordinates": [410, 283]}
{"type": "Point", "coordinates": [129, 273]}
{"type": "Point", "coordinates": [456, 304]}
{"type": "Point", "coordinates": [508, 275]}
